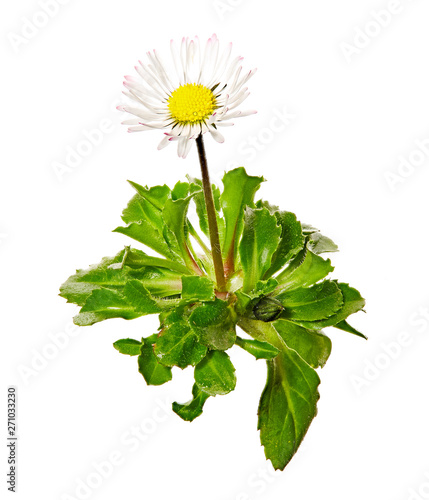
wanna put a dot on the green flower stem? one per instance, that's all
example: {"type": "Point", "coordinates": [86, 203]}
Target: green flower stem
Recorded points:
{"type": "Point", "coordinates": [211, 216]}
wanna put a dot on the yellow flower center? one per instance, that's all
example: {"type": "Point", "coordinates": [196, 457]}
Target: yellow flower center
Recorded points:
{"type": "Point", "coordinates": [191, 103]}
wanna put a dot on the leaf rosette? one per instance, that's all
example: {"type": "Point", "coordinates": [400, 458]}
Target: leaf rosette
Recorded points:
{"type": "Point", "coordinates": [277, 293]}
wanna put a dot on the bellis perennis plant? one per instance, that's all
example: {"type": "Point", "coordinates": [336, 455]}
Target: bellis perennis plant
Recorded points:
{"type": "Point", "coordinates": [251, 275]}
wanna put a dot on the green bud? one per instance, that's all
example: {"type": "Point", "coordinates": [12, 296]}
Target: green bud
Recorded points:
{"type": "Point", "coordinates": [267, 309]}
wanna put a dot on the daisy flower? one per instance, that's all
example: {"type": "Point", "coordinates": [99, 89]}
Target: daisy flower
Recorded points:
{"type": "Point", "coordinates": [201, 94]}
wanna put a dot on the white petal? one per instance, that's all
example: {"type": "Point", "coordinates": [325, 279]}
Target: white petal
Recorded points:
{"type": "Point", "coordinates": [198, 54]}
{"type": "Point", "coordinates": [133, 121]}
{"type": "Point", "coordinates": [162, 68]}
{"type": "Point", "coordinates": [187, 148]}
{"type": "Point", "coordinates": [137, 112]}
{"type": "Point", "coordinates": [164, 143]}
{"type": "Point", "coordinates": [238, 98]}
{"type": "Point", "coordinates": [217, 136]}
{"type": "Point", "coordinates": [195, 130]}
{"type": "Point", "coordinates": [141, 92]}
{"type": "Point", "coordinates": [160, 79]}
{"type": "Point", "coordinates": [234, 82]}
{"type": "Point", "coordinates": [233, 67]}
{"type": "Point", "coordinates": [189, 59]}
{"type": "Point", "coordinates": [181, 147]}
{"type": "Point", "coordinates": [245, 78]}
{"type": "Point", "coordinates": [206, 56]}
{"type": "Point", "coordinates": [204, 128]}
{"type": "Point", "coordinates": [183, 50]}
{"type": "Point", "coordinates": [214, 58]}
{"type": "Point", "coordinates": [221, 65]}
{"type": "Point", "coordinates": [247, 113]}
{"type": "Point", "coordinates": [176, 60]}
{"type": "Point", "coordinates": [148, 78]}
{"type": "Point", "coordinates": [224, 124]}
{"type": "Point", "coordinates": [138, 128]}
{"type": "Point", "coordinates": [238, 114]}
{"type": "Point", "coordinates": [157, 126]}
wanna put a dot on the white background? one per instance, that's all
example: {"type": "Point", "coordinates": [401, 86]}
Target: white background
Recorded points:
{"type": "Point", "coordinates": [354, 118]}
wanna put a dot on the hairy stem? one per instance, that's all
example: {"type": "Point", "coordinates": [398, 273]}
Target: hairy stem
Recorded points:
{"type": "Point", "coordinates": [211, 216]}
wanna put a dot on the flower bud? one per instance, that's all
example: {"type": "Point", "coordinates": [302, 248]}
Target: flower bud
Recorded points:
{"type": "Point", "coordinates": [268, 309]}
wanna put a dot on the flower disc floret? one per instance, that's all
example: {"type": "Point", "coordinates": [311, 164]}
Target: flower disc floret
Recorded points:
{"type": "Point", "coordinates": [191, 103]}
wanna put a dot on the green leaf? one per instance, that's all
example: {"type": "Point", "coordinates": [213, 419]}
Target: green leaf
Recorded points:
{"type": "Point", "coordinates": [287, 406]}
{"type": "Point", "coordinates": [306, 269]}
{"type": "Point", "coordinates": [353, 302]}
{"type": "Point", "coordinates": [291, 242]}
{"type": "Point", "coordinates": [308, 229]}
{"type": "Point", "coordinates": [145, 233]}
{"type": "Point", "coordinates": [169, 317]}
{"type": "Point", "coordinates": [180, 190]}
{"type": "Point", "coordinates": [318, 243]}
{"type": "Point", "coordinates": [137, 259]}
{"type": "Point", "coordinates": [135, 301]}
{"type": "Point", "coordinates": [215, 374]}
{"type": "Point", "coordinates": [111, 274]}
{"type": "Point", "coordinates": [265, 204]}
{"type": "Point", "coordinates": [156, 195]}
{"type": "Point", "coordinates": [197, 288]}
{"type": "Point", "coordinates": [193, 408]}
{"type": "Point", "coordinates": [262, 331]}
{"type": "Point", "coordinates": [343, 325]}
{"type": "Point", "coordinates": [178, 346]}
{"type": "Point", "coordinates": [313, 347]}
{"type": "Point", "coordinates": [265, 287]}
{"type": "Point", "coordinates": [174, 215]}
{"type": "Point", "coordinates": [239, 191]}
{"type": "Point", "coordinates": [214, 324]}
{"type": "Point", "coordinates": [153, 372]}
{"type": "Point", "coordinates": [261, 350]}
{"type": "Point", "coordinates": [128, 346]}
{"type": "Point", "coordinates": [144, 219]}
{"type": "Point", "coordinates": [80, 285]}
{"type": "Point", "coordinates": [311, 304]}
{"type": "Point", "coordinates": [261, 237]}
{"type": "Point", "coordinates": [244, 303]}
